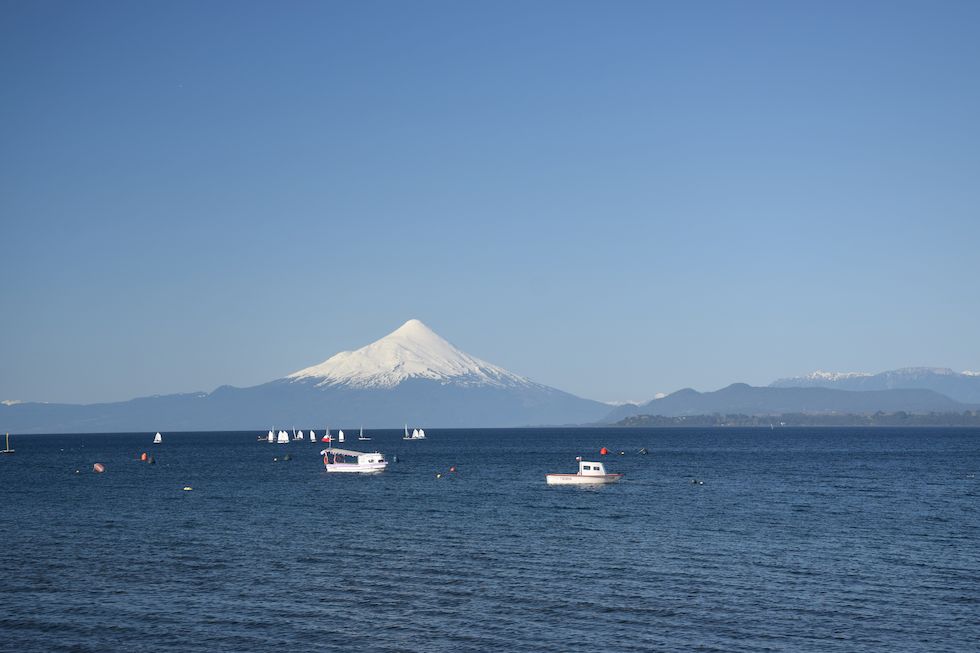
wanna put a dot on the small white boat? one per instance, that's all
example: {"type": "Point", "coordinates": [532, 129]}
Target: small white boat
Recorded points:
{"type": "Point", "coordinates": [271, 437]}
{"type": "Point", "coordinates": [157, 439]}
{"type": "Point", "coordinates": [360, 436]}
{"type": "Point", "coordinates": [298, 435]}
{"type": "Point", "coordinates": [326, 436]}
{"type": "Point", "coordinates": [340, 435]}
{"type": "Point", "coordinates": [282, 438]}
{"type": "Point", "coordinates": [589, 473]}
{"type": "Point", "coordinates": [312, 435]}
{"type": "Point", "coordinates": [8, 449]}
{"type": "Point", "coordinates": [345, 460]}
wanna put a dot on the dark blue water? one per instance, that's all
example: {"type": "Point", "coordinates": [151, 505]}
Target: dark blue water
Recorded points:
{"type": "Point", "coordinates": [799, 540]}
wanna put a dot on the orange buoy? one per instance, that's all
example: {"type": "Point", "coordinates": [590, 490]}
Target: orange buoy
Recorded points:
{"type": "Point", "coordinates": [603, 451]}
{"type": "Point", "coordinates": [143, 457]}
{"type": "Point", "coordinates": [98, 468]}
{"type": "Point", "coordinates": [453, 468]}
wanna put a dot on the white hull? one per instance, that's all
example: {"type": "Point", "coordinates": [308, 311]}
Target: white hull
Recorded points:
{"type": "Point", "coordinates": [366, 468]}
{"type": "Point", "coordinates": [581, 479]}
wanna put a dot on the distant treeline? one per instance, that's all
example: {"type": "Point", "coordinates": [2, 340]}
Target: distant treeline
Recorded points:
{"type": "Point", "coordinates": [901, 418]}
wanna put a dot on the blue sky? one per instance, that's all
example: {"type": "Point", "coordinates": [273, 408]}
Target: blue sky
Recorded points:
{"type": "Point", "coordinates": [616, 199]}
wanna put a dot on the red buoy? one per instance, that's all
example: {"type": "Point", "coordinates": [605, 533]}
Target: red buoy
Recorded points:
{"type": "Point", "coordinates": [98, 468]}
{"type": "Point", "coordinates": [143, 457]}
{"type": "Point", "coordinates": [603, 451]}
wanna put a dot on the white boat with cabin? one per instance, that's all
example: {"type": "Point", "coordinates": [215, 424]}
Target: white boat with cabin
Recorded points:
{"type": "Point", "coordinates": [589, 473]}
{"type": "Point", "coordinates": [346, 460]}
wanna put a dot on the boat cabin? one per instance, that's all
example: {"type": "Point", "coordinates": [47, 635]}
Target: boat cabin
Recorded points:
{"type": "Point", "coordinates": [587, 468]}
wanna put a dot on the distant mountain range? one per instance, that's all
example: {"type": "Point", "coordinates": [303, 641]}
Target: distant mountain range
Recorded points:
{"type": "Point", "coordinates": [410, 376]}
{"type": "Point", "coordinates": [961, 386]}
{"type": "Point", "coordinates": [414, 376]}
{"type": "Point", "coordinates": [740, 398]}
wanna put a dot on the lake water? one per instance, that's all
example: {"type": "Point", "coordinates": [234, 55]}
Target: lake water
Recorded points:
{"type": "Point", "coordinates": [798, 540]}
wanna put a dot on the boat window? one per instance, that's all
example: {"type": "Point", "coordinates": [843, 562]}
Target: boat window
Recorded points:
{"type": "Point", "coordinates": [586, 467]}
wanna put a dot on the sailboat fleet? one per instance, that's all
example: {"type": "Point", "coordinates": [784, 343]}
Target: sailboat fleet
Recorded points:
{"type": "Point", "coordinates": [417, 434]}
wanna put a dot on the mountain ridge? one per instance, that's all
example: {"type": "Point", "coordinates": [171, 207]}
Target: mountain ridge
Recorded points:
{"type": "Point", "coordinates": [412, 375]}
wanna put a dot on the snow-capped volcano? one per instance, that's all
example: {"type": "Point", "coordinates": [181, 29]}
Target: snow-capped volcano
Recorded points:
{"type": "Point", "coordinates": [413, 351]}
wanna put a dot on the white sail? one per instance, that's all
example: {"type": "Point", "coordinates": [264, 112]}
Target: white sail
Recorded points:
{"type": "Point", "coordinates": [157, 439]}
{"type": "Point", "coordinates": [312, 435]}
{"type": "Point", "coordinates": [340, 435]}
{"type": "Point", "coordinates": [406, 430]}
{"type": "Point", "coordinates": [421, 434]}
{"type": "Point", "coordinates": [272, 437]}
{"type": "Point", "coordinates": [283, 437]}
{"type": "Point", "coordinates": [415, 434]}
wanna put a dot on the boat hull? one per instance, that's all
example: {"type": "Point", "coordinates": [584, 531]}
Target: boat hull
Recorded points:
{"type": "Point", "coordinates": [581, 479]}
{"type": "Point", "coordinates": [354, 468]}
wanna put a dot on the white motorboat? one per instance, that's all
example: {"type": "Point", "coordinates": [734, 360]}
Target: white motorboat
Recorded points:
{"type": "Point", "coordinates": [589, 473]}
{"type": "Point", "coordinates": [345, 460]}
{"type": "Point", "coordinates": [157, 439]}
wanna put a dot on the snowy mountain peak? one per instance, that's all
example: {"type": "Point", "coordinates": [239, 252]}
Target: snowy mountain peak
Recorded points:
{"type": "Point", "coordinates": [821, 375]}
{"type": "Point", "coordinates": [412, 351]}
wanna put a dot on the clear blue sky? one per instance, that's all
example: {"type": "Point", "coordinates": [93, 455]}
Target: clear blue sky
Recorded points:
{"type": "Point", "coordinates": [613, 198]}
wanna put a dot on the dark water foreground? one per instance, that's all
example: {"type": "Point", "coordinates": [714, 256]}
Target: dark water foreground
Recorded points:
{"type": "Point", "coordinates": [799, 540]}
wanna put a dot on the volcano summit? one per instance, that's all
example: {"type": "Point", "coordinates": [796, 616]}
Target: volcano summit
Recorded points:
{"type": "Point", "coordinates": [411, 375]}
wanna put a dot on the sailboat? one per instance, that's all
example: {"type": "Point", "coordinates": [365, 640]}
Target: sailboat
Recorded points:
{"type": "Point", "coordinates": [298, 435]}
{"type": "Point", "coordinates": [326, 436]}
{"type": "Point", "coordinates": [340, 435]}
{"type": "Point", "coordinates": [417, 434]}
{"type": "Point", "coordinates": [312, 435]}
{"type": "Point", "coordinates": [360, 436]}
{"type": "Point", "coordinates": [282, 438]}
{"type": "Point", "coordinates": [8, 449]}
{"type": "Point", "coordinates": [157, 439]}
{"type": "Point", "coordinates": [271, 437]}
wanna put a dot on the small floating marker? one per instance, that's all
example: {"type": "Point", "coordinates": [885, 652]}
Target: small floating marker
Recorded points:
{"type": "Point", "coordinates": [394, 459]}
{"type": "Point", "coordinates": [453, 468]}
{"type": "Point", "coordinates": [275, 460]}
{"type": "Point", "coordinates": [144, 457]}
{"type": "Point", "coordinates": [642, 452]}
{"type": "Point", "coordinates": [622, 453]}
{"type": "Point", "coordinates": [78, 471]}
{"type": "Point", "coordinates": [187, 488]}
{"type": "Point", "coordinates": [98, 468]}
{"type": "Point", "coordinates": [603, 451]}
{"type": "Point", "coordinates": [438, 475]}
{"type": "Point", "coordinates": [287, 457]}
